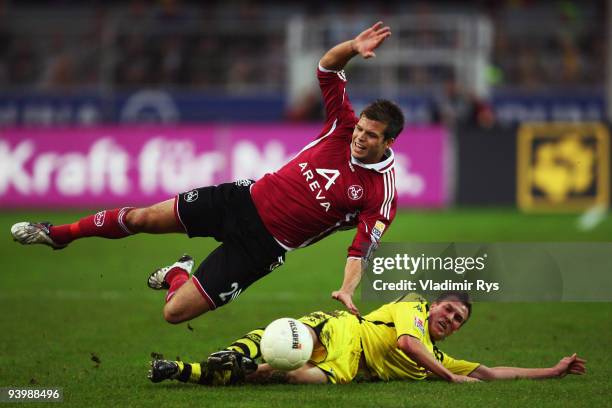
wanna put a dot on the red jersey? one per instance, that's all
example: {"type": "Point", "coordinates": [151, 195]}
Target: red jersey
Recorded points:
{"type": "Point", "coordinates": [323, 188]}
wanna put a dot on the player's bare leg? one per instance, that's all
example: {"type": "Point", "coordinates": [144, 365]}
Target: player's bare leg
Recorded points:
{"type": "Point", "coordinates": [184, 300]}
{"type": "Point", "coordinates": [185, 304]}
{"type": "Point", "coordinates": [113, 224]}
{"type": "Point", "coordinates": [307, 374]}
{"type": "Point", "coordinates": [159, 218]}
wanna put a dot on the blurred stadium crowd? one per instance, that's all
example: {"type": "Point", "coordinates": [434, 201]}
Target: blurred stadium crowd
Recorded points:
{"type": "Point", "coordinates": [239, 46]}
{"type": "Point", "coordinates": [470, 76]}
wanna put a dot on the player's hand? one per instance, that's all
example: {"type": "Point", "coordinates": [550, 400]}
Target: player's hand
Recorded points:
{"type": "Point", "coordinates": [370, 39]}
{"type": "Point", "coordinates": [347, 299]}
{"type": "Point", "coordinates": [570, 365]}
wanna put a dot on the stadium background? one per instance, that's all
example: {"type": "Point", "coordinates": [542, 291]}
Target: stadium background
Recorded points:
{"type": "Point", "coordinates": [114, 103]}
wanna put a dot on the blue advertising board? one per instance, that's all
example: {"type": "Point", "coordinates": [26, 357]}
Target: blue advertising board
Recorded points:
{"type": "Point", "coordinates": [161, 106]}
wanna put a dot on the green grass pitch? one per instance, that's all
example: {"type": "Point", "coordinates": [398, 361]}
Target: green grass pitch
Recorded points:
{"type": "Point", "coordinates": [60, 308]}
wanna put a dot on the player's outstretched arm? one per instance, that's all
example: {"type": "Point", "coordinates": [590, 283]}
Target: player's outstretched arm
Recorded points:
{"type": "Point", "coordinates": [419, 354]}
{"type": "Point", "coordinates": [568, 365]}
{"type": "Point", "coordinates": [364, 44]}
{"type": "Point", "coordinates": [352, 277]}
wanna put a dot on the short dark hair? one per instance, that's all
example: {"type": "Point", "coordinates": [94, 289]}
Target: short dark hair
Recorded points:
{"type": "Point", "coordinates": [385, 111]}
{"type": "Point", "coordinates": [461, 297]}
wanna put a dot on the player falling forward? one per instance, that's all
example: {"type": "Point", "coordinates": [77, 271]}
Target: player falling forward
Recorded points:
{"type": "Point", "coordinates": [394, 342]}
{"type": "Point", "coordinates": [345, 178]}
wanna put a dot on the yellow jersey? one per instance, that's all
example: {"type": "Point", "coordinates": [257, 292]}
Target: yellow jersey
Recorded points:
{"type": "Point", "coordinates": [380, 331]}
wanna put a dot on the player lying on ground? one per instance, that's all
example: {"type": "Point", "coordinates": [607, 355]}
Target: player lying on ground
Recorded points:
{"type": "Point", "coordinates": [394, 342]}
{"type": "Point", "coordinates": [344, 179]}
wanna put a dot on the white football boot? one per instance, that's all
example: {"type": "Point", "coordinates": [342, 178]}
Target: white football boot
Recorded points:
{"type": "Point", "coordinates": [157, 280]}
{"type": "Point", "coordinates": [28, 233]}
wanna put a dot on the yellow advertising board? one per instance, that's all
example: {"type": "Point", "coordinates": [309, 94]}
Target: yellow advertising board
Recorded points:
{"type": "Point", "coordinates": [563, 166]}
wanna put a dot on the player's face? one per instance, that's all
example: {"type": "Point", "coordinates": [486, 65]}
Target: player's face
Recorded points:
{"type": "Point", "coordinates": [445, 318]}
{"type": "Point", "coordinates": [368, 144]}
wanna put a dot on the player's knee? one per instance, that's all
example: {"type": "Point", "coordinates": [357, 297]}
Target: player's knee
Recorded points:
{"type": "Point", "coordinates": [173, 315]}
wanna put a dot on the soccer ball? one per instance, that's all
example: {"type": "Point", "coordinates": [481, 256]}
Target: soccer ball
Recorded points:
{"type": "Point", "coordinates": [286, 344]}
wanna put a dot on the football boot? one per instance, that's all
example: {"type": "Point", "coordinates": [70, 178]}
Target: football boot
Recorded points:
{"type": "Point", "coordinates": [157, 280]}
{"type": "Point", "coordinates": [163, 370]}
{"type": "Point", "coordinates": [28, 233]}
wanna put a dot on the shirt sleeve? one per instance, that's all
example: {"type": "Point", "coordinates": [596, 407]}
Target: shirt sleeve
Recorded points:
{"type": "Point", "coordinates": [459, 367]}
{"type": "Point", "coordinates": [409, 318]}
{"type": "Point", "coordinates": [373, 222]}
{"type": "Point", "coordinates": [338, 108]}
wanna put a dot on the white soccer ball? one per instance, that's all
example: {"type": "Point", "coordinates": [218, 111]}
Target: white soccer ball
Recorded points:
{"type": "Point", "coordinates": [286, 344]}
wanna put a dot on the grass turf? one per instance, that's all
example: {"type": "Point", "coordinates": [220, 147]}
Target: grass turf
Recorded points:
{"type": "Point", "coordinates": [61, 310]}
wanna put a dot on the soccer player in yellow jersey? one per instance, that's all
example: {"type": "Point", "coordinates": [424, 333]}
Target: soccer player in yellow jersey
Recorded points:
{"type": "Point", "coordinates": [394, 342]}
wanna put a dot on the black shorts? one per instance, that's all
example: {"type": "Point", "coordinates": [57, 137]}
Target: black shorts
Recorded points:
{"type": "Point", "coordinates": [249, 252]}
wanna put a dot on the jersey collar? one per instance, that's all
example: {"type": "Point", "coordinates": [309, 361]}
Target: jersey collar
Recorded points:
{"type": "Point", "coordinates": [382, 166]}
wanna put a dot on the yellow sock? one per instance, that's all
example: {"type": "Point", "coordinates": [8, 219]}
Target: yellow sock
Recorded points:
{"type": "Point", "coordinates": [248, 345]}
{"type": "Point", "coordinates": [190, 372]}
{"type": "Point", "coordinates": [196, 373]}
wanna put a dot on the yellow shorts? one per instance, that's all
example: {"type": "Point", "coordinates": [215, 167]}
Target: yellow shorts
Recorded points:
{"type": "Point", "coordinates": [339, 334]}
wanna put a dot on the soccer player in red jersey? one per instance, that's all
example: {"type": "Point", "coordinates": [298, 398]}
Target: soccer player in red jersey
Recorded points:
{"type": "Point", "coordinates": [343, 179]}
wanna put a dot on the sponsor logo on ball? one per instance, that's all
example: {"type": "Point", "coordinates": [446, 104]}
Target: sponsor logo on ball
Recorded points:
{"type": "Point", "coordinates": [295, 336]}
{"type": "Point", "coordinates": [355, 192]}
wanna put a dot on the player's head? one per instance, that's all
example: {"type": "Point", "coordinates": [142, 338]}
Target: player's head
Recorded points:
{"type": "Point", "coordinates": [379, 125]}
{"type": "Point", "coordinates": [387, 112]}
{"type": "Point", "coordinates": [448, 313]}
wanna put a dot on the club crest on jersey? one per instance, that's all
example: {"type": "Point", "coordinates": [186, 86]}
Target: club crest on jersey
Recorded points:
{"type": "Point", "coordinates": [418, 323]}
{"type": "Point", "coordinates": [99, 218]}
{"type": "Point", "coordinates": [378, 230]}
{"type": "Point", "coordinates": [355, 192]}
{"type": "Point", "coordinates": [191, 196]}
